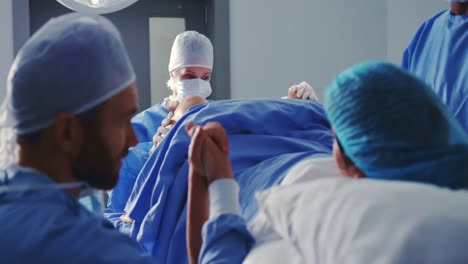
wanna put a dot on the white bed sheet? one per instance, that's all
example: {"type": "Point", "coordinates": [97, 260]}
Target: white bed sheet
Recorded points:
{"type": "Point", "coordinates": [320, 217]}
{"type": "Point", "coordinates": [270, 247]}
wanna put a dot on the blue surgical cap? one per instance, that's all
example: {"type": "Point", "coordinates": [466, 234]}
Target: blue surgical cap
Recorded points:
{"type": "Point", "coordinates": [71, 64]}
{"type": "Point", "coordinates": [392, 126]}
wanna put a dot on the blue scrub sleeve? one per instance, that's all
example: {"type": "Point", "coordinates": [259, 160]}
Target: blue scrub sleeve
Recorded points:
{"type": "Point", "coordinates": [226, 239]}
{"type": "Point", "coordinates": [118, 196]}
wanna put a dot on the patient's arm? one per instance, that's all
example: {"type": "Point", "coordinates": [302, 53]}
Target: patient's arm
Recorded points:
{"type": "Point", "coordinates": [198, 201]}
{"type": "Point", "coordinates": [197, 213]}
{"type": "Point", "coordinates": [225, 238]}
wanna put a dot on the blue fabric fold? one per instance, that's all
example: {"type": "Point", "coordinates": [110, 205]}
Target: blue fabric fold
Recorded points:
{"type": "Point", "coordinates": [145, 125]}
{"type": "Point", "coordinates": [267, 137]}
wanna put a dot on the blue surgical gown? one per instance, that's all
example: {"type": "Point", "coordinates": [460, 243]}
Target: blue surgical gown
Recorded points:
{"type": "Point", "coordinates": [226, 239]}
{"type": "Point", "coordinates": [50, 226]}
{"type": "Point", "coordinates": [438, 54]}
{"type": "Point", "coordinates": [148, 121]}
{"type": "Point", "coordinates": [145, 125]}
{"type": "Point", "coordinates": [128, 174]}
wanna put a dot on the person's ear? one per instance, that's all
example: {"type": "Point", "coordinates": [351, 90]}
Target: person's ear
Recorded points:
{"type": "Point", "coordinates": [176, 87]}
{"type": "Point", "coordinates": [172, 85]}
{"type": "Point", "coordinates": [345, 167]}
{"type": "Point", "coordinates": [339, 159]}
{"type": "Point", "coordinates": [68, 134]}
{"type": "Point", "coordinates": [355, 172]}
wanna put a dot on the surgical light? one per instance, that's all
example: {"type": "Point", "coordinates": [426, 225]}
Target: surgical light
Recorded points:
{"type": "Point", "coordinates": [96, 6]}
{"type": "Point", "coordinates": [94, 3]}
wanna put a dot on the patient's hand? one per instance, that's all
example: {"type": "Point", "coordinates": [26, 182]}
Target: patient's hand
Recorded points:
{"type": "Point", "coordinates": [302, 91]}
{"type": "Point", "coordinates": [208, 152]}
{"type": "Point", "coordinates": [126, 219]}
{"type": "Point", "coordinates": [209, 161]}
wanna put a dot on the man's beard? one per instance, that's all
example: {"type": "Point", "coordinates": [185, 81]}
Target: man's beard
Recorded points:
{"type": "Point", "coordinates": [104, 180]}
{"type": "Point", "coordinates": [96, 166]}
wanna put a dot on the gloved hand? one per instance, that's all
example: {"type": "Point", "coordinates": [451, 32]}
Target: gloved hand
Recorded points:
{"type": "Point", "coordinates": [302, 91]}
{"type": "Point", "coordinates": [126, 219]}
{"type": "Point", "coordinates": [166, 125]}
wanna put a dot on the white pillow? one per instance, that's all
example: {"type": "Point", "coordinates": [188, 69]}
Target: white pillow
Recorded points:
{"type": "Point", "coordinates": [304, 171]}
{"type": "Point", "coordinates": [273, 252]}
{"type": "Point", "coordinates": [340, 220]}
{"type": "Point", "coordinates": [269, 246]}
{"type": "Point", "coordinates": [312, 169]}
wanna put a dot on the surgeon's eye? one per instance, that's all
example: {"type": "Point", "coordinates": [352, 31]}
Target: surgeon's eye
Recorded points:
{"type": "Point", "coordinates": [206, 78]}
{"type": "Point", "coordinates": [188, 77]}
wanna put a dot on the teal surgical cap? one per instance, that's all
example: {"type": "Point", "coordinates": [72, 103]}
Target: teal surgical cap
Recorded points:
{"type": "Point", "coordinates": [392, 126]}
{"type": "Point", "coordinates": [71, 64]}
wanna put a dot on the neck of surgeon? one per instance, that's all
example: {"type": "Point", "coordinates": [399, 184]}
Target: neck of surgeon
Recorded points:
{"type": "Point", "coordinates": [40, 157]}
{"type": "Point", "coordinates": [457, 8]}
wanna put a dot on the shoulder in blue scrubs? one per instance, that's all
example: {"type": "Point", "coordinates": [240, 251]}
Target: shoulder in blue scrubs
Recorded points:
{"type": "Point", "coordinates": [48, 225]}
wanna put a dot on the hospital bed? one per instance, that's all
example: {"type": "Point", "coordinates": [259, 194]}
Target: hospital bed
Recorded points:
{"type": "Point", "coordinates": [267, 136]}
{"type": "Point", "coordinates": [284, 147]}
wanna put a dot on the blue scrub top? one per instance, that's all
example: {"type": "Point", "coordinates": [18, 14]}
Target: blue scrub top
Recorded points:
{"type": "Point", "coordinates": [145, 125]}
{"type": "Point", "coordinates": [148, 121]}
{"type": "Point", "coordinates": [438, 54]}
{"type": "Point", "coordinates": [51, 226]}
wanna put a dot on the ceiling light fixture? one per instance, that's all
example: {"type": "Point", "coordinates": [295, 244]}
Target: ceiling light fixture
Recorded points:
{"type": "Point", "coordinates": [96, 6]}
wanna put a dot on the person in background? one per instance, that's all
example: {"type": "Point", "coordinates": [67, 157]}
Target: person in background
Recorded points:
{"type": "Point", "coordinates": [71, 93]}
{"type": "Point", "coordinates": [438, 54]}
{"type": "Point", "coordinates": [387, 125]}
{"type": "Point", "coordinates": [190, 68]}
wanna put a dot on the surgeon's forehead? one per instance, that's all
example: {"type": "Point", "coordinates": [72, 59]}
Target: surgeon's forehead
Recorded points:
{"type": "Point", "coordinates": [123, 103]}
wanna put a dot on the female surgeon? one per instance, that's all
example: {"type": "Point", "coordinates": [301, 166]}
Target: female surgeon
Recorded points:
{"type": "Point", "coordinates": [190, 67]}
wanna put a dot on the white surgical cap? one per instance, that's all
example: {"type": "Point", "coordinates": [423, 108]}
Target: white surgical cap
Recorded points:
{"type": "Point", "coordinates": [191, 49]}
{"type": "Point", "coordinates": [71, 64]}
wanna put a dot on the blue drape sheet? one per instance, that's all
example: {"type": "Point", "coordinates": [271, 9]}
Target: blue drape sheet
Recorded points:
{"type": "Point", "coordinates": [267, 137]}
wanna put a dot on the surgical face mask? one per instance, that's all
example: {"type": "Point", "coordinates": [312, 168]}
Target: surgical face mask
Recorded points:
{"type": "Point", "coordinates": [192, 87]}
{"type": "Point", "coordinates": [93, 200]}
